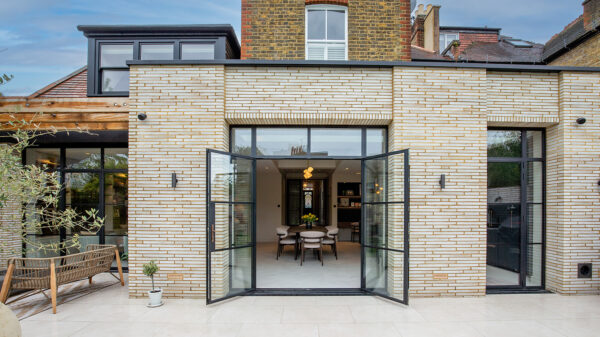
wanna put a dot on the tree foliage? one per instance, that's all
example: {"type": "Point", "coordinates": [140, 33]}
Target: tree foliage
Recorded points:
{"type": "Point", "coordinates": [4, 78]}
{"type": "Point", "coordinates": [35, 192]}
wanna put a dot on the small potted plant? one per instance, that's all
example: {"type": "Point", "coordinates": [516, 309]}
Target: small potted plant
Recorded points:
{"type": "Point", "coordinates": [309, 219]}
{"type": "Point", "coordinates": [155, 294]}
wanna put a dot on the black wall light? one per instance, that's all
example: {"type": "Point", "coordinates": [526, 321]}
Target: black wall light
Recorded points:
{"type": "Point", "coordinates": [443, 181]}
{"type": "Point", "coordinates": [142, 116]}
{"type": "Point", "coordinates": [174, 180]}
{"type": "Point", "coordinates": [581, 120]}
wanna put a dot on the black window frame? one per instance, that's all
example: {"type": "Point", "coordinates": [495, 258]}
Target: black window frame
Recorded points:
{"type": "Point", "coordinates": [524, 161]}
{"type": "Point", "coordinates": [309, 154]}
{"type": "Point", "coordinates": [63, 170]}
{"type": "Point", "coordinates": [95, 69]}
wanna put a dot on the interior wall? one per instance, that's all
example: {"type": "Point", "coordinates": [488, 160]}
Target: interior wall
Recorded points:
{"type": "Point", "coordinates": [269, 192]}
{"type": "Point", "coordinates": [341, 176]}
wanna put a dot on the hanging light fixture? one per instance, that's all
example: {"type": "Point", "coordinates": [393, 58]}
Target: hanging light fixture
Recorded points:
{"type": "Point", "coordinates": [308, 171]}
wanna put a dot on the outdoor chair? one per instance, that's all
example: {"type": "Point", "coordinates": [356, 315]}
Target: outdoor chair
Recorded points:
{"type": "Point", "coordinates": [312, 240]}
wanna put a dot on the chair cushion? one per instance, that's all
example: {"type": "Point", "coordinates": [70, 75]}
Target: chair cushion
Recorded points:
{"type": "Point", "coordinates": [328, 241]}
{"type": "Point", "coordinates": [287, 242]}
{"type": "Point", "coordinates": [312, 245]}
{"type": "Point", "coordinates": [282, 230]}
{"type": "Point", "coordinates": [312, 234]}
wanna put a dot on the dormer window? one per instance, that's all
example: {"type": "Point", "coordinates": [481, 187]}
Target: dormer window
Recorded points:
{"type": "Point", "coordinates": [114, 72]}
{"type": "Point", "coordinates": [326, 32]}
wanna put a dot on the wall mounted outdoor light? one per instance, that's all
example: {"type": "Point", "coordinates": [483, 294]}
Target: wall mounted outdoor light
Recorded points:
{"type": "Point", "coordinates": [142, 116]}
{"type": "Point", "coordinates": [443, 181]}
{"type": "Point", "coordinates": [581, 120]}
{"type": "Point", "coordinates": [174, 180]}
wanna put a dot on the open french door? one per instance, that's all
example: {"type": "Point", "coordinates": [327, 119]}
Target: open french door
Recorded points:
{"type": "Point", "coordinates": [385, 225]}
{"type": "Point", "coordinates": [231, 225]}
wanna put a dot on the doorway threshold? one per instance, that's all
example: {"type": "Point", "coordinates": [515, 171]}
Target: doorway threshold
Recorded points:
{"type": "Point", "coordinates": [309, 292]}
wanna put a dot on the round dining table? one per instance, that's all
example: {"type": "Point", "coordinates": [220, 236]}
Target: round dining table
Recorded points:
{"type": "Point", "coordinates": [302, 228]}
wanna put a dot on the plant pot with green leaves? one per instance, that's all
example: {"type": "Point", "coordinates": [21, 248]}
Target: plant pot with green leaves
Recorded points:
{"type": "Point", "coordinates": [155, 295]}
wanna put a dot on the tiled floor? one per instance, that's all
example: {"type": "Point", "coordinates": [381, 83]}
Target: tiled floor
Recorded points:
{"type": "Point", "coordinates": [110, 313]}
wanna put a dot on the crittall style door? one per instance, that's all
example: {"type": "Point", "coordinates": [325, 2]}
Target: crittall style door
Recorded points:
{"type": "Point", "coordinates": [231, 237]}
{"type": "Point", "coordinates": [385, 225]}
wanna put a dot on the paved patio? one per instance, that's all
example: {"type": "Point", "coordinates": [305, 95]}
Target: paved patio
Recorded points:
{"type": "Point", "coordinates": [110, 313]}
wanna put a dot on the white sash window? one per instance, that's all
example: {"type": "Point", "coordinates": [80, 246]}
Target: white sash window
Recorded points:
{"type": "Point", "coordinates": [326, 32]}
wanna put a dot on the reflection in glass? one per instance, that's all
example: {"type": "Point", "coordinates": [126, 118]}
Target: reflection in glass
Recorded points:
{"type": "Point", "coordinates": [382, 175]}
{"type": "Point", "coordinates": [156, 51]}
{"type": "Point", "coordinates": [84, 158]}
{"type": "Point", "coordinates": [281, 141]}
{"type": "Point", "coordinates": [116, 158]}
{"type": "Point", "coordinates": [230, 178]}
{"type": "Point", "coordinates": [384, 272]}
{"type": "Point", "coordinates": [115, 203]}
{"type": "Point", "coordinates": [197, 51]}
{"type": "Point", "coordinates": [115, 55]}
{"type": "Point", "coordinates": [336, 25]}
{"type": "Point", "coordinates": [535, 222]}
{"type": "Point", "coordinates": [504, 143]}
{"type": "Point", "coordinates": [115, 80]}
{"type": "Point", "coordinates": [376, 140]}
{"type": "Point", "coordinates": [316, 24]}
{"type": "Point", "coordinates": [534, 265]}
{"type": "Point", "coordinates": [535, 182]}
{"type": "Point", "coordinates": [336, 142]}
{"type": "Point", "coordinates": [241, 140]}
{"type": "Point", "coordinates": [535, 144]}
{"type": "Point", "coordinates": [43, 157]}
{"type": "Point", "coordinates": [231, 272]}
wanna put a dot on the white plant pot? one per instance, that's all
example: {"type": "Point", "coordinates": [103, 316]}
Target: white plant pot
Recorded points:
{"type": "Point", "coordinates": [9, 324]}
{"type": "Point", "coordinates": [155, 298]}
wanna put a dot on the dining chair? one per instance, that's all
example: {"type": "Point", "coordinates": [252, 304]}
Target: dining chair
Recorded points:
{"type": "Point", "coordinates": [331, 239]}
{"type": "Point", "coordinates": [283, 240]}
{"type": "Point", "coordinates": [312, 240]}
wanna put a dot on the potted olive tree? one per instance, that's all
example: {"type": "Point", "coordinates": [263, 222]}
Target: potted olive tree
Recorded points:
{"type": "Point", "coordinates": [155, 295]}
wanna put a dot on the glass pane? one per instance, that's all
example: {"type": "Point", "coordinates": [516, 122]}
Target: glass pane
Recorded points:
{"type": "Point", "coordinates": [535, 223]}
{"type": "Point", "coordinates": [384, 272]}
{"type": "Point", "coordinates": [116, 158]}
{"type": "Point", "coordinates": [84, 158]}
{"type": "Point", "coordinates": [48, 158]}
{"type": "Point", "coordinates": [197, 51]}
{"type": "Point", "coordinates": [121, 242]}
{"type": "Point", "coordinates": [85, 239]}
{"type": "Point", "coordinates": [115, 203]}
{"type": "Point", "coordinates": [535, 144]}
{"type": "Point", "coordinates": [384, 179]}
{"type": "Point", "coordinates": [115, 55]}
{"type": "Point", "coordinates": [231, 178]}
{"type": "Point", "coordinates": [376, 140]}
{"type": "Point", "coordinates": [336, 142]}
{"type": "Point", "coordinates": [504, 143]}
{"type": "Point", "coordinates": [504, 183]}
{"type": "Point", "coordinates": [534, 266]}
{"type": "Point", "coordinates": [48, 240]}
{"type": "Point", "coordinates": [82, 193]}
{"type": "Point", "coordinates": [384, 225]}
{"type": "Point", "coordinates": [232, 225]}
{"type": "Point", "coordinates": [241, 141]}
{"type": "Point", "coordinates": [316, 25]}
{"type": "Point", "coordinates": [230, 273]}
{"type": "Point", "coordinates": [154, 51]}
{"type": "Point", "coordinates": [281, 142]}
{"type": "Point", "coordinates": [535, 182]}
{"type": "Point", "coordinates": [336, 25]}
{"type": "Point", "coordinates": [115, 80]}
{"type": "Point", "coordinates": [503, 244]}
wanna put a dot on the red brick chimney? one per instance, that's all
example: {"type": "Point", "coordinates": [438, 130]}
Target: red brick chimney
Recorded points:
{"type": "Point", "coordinates": [418, 28]}
{"type": "Point", "coordinates": [591, 14]}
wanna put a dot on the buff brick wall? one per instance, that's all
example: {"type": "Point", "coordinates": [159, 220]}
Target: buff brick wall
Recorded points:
{"type": "Point", "coordinates": [185, 107]}
{"type": "Point", "coordinates": [440, 114]}
{"type": "Point", "coordinates": [573, 197]}
{"type": "Point", "coordinates": [275, 29]}
{"type": "Point", "coordinates": [10, 239]}
{"type": "Point", "coordinates": [584, 55]}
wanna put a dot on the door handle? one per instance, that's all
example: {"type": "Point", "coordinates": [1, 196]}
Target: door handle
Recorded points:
{"type": "Point", "coordinates": [212, 234]}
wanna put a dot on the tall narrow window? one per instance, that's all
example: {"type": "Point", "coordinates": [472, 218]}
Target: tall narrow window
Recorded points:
{"type": "Point", "coordinates": [326, 33]}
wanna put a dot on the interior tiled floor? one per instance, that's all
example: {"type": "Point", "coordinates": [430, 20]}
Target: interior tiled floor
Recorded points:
{"type": "Point", "coordinates": [501, 277]}
{"type": "Point", "coordinates": [111, 313]}
{"type": "Point", "coordinates": [287, 272]}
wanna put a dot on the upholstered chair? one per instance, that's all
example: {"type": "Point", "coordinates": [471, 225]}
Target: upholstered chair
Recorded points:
{"type": "Point", "coordinates": [331, 239]}
{"type": "Point", "coordinates": [312, 240]}
{"type": "Point", "coordinates": [284, 240]}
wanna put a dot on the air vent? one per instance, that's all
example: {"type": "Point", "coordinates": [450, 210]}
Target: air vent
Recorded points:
{"type": "Point", "coordinates": [584, 270]}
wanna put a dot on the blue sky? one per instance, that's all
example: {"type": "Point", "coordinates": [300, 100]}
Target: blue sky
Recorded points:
{"type": "Point", "coordinates": [39, 42]}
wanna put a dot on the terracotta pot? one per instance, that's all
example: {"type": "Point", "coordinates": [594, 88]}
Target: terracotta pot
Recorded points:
{"type": "Point", "coordinates": [10, 326]}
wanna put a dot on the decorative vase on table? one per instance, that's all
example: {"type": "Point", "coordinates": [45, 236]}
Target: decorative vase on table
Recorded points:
{"type": "Point", "coordinates": [309, 219]}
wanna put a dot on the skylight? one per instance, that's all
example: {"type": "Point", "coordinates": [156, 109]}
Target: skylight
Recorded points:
{"type": "Point", "coordinates": [520, 43]}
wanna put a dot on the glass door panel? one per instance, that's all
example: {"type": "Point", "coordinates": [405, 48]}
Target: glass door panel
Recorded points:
{"type": "Point", "coordinates": [231, 225]}
{"type": "Point", "coordinates": [385, 225]}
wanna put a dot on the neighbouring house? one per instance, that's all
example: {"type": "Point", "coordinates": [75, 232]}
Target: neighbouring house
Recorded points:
{"type": "Point", "coordinates": [427, 178]}
{"type": "Point", "coordinates": [432, 42]}
{"type": "Point", "coordinates": [579, 43]}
